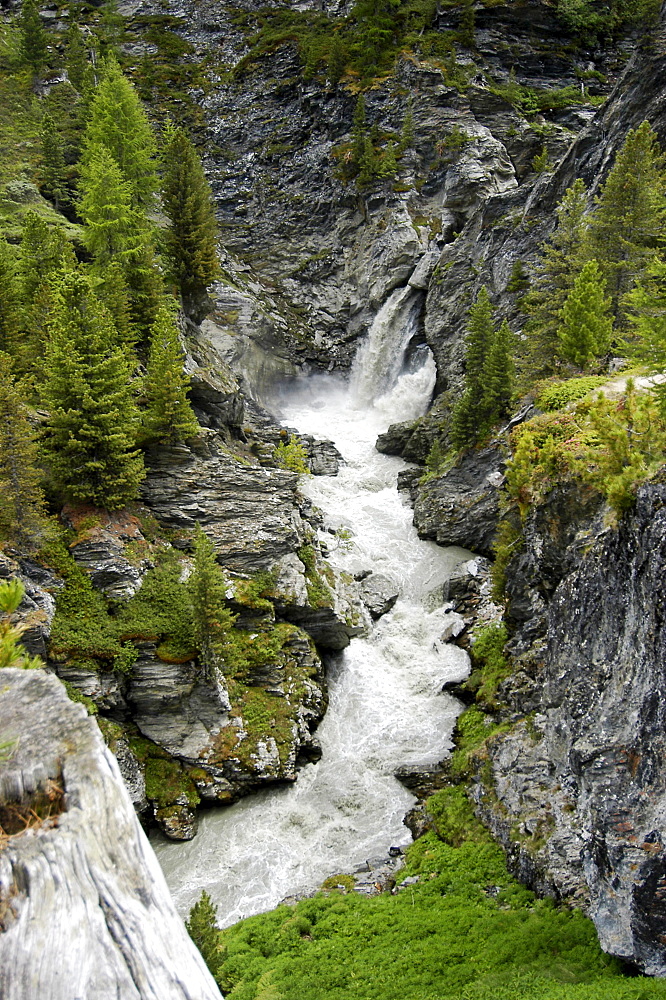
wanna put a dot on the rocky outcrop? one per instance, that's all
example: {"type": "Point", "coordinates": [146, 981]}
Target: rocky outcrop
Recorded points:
{"type": "Point", "coordinates": [577, 793]}
{"type": "Point", "coordinates": [79, 851]}
{"type": "Point", "coordinates": [461, 507]}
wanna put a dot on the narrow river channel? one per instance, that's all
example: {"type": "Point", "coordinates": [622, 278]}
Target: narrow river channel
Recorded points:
{"type": "Point", "coordinates": [386, 702]}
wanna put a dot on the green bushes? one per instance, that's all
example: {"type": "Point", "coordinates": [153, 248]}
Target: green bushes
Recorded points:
{"type": "Point", "coordinates": [466, 928]}
{"type": "Point", "coordinates": [556, 395]}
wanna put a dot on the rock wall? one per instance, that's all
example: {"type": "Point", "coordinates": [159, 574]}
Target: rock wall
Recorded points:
{"type": "Point", "coordinates": [84, 908]}
{"type": "Point", "coordinates": [577, 790]}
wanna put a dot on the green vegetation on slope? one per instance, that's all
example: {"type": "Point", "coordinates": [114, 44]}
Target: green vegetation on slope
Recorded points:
{"type": "Point", "coordinates": [466, 930]}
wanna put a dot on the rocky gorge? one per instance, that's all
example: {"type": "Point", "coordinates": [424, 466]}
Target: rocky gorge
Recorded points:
{"type": "Point", "coordinates": [568, 778]}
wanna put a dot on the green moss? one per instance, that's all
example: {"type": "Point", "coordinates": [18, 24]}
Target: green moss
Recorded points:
{"type": "Point", "coordinates": [473, 729]}
{"type": "Point", "coordinates": [453, 818]}
{"type": "Point", "coordinates": [338, 883]}
{"type": "Point", "coordinates": [167, 782]}
{"type": "Point", "coordinates": [319, 591]}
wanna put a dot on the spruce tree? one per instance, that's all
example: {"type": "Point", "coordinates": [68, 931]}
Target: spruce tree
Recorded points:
{"type": "Point", "coordinates": [212, 619]}
{"type": "Point", "coordinates": [114, 294]}
{"type": "Point", "coordinates": [111, 225]}
{"type": "Point", "coordinates": [647, 315]}
{"type": "Point", "coordinates": [32, 36]}
{"type": "Point", "coordinates": [497, 377]}
{"type": "Point", "coordinates": [168, 416]}
{"type": "Point", "coordinates": [76, 57]}
{"type": "Point", "coordinates": [358, 132]}
{"type": "Point", "coordinates": [44, 250]}
{"type": "Point", "coordinates": [628, 222]}
{"type": "Point", "coordinates": [467, 421]}
{"type": "Point", "coordinates": [89, 439]}
{"type": "Point", "coordinates": [561, 260]}
{"type": "Point", "coordinates": [586, 323]}
{"type": "Point", "coordinates": [190, 239]}
{"type": "Point", "coordinates": [202, 929]}
{"type": "Point", "coordinates": [10, 301]}
{"type": "Point", "coordinates": [145, 287]}
{"type": "Point", "coordinates": [119, 123]}
{"type": "Point", "coordinates": [53, 169]}
{"type": "Point", "coordinates": [22, 510]}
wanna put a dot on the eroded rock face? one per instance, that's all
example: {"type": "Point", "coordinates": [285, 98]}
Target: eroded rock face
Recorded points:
{"type": "Point", "coordinates": [579, 795]}
{"type": "Point", "coordinates": [86, 910]}
{"type": "Point", "coordinates": [461, 507]}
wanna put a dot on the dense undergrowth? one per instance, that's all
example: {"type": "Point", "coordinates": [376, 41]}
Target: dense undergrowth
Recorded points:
{"type": "Point", "coordinates": [466, 930]}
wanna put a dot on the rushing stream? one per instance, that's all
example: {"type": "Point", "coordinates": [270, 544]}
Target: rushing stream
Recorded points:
{"type": "Point", "coordinates": [386, 707]}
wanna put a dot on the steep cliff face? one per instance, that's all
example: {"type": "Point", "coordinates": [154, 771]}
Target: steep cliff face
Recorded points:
{"type": "Point", "coordinates": [84, 908]}
{"type": "Point", "coordinates": [576, 791]}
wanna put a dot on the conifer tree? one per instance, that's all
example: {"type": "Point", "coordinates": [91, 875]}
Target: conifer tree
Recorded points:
{"type": "Point", "coordinates": [628, 222]}
{"type": "Point", "coordinates": [53, 169]}
{"type": "Point", "coordinates": [467, 421]}
{"type": "Point", "coordinates": [10, 319]}
{"type": "Point", "coordinates": [119, 123]}
{"type": "Point", "coordinates": [388, 165]}
{"type": "Point", "coordinates": [76, 57]}
{"type": "Point", "coordinates": [32, 36]}
{"type": "Point", "coordinates": [145, 287]}
{"type": "Point", "coordinates": [22, 511]}
{"type": "Point", "coordinates": [337, 59]}
{"type": "Point", "coordinates": [111, 225]}
{"type": "Point", "coordinates": [497, 377]}
{"type": "Point", "coordinates": [191, 235]}
{"type": "Point", "coordinates": [561, 260]}
{"type": "Point", "coordinates": [407, 131]}
{"type": "Point", "coordinates": [89, 440]}
{"type": "Point", "coordinates": [168, 416]}
{"type": "Point", "coordinates": [212, 619]}
{"type": "Point", "coordinates": [114, 294]}
{"type": "Point", "coordinates": [586, 323]}
{"type": "Point", "coordinates": [202, 929]}
{"type": "Point", "coordinates": [44, 250]}
{"type": "Point", "coordinates": [647, 315]}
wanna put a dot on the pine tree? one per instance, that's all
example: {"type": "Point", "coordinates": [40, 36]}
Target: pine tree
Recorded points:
{"type": "Point", "coordinates": [118, 122]}
{"type": "Point", "coordinates": [190, 239]}
{"type": "Point", "coordinates": [12, 651]}
{"type": "Point", "coordinates": [337, 59]}
{"type": "Point", "coordinates": [628, 222]}
{"type": "Point", "coordinates": [468, 422]}
{"type": "Point", "coordinates": [168, 416]}
{"type": "Point", "coordinates": [33, 37]}
{"type": "Point", "coordinates": [22, 511]}
{"type": "Point", "coordinates": [53, 169]}
{"type": "Point", "coordinates": [586, 324]}
{"type": "Point", "coordinates": [388, 165]}
{"type": "Point", "coordinates": [111, 225]}
{"type": "Point", "coordinates": [561, 260]}
{"type": "Point", "coordinates": [145, 287]}
{"type": "Point", "coordinates": [44, 250]}
{"type": "Point", "coordinates": [202, 929]}
{"type": "Point", "coordinates": [497, 377]}
{"type": "Point", "coordinates": [77, 57]}
{"type": "Point", "coordinates": [89, 440]}
{"type": "Point", "coordinates": [10, 296]}
{"type": "Point", "coordinates": [212, 619]}
{"type": "Point", "coordinates": [110, 29]}
{"type": "Point", "coordinates": [367, 164]}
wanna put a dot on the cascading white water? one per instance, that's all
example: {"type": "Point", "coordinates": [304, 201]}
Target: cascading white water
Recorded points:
{"type": "Point", "coordinates": [386, 707]}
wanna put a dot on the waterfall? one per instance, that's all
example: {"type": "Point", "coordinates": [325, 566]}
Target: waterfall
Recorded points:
{"type": "Point", "coordinates": [386, 703]}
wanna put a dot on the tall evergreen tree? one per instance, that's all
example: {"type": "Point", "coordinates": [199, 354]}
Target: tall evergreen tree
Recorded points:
{"type": "Point", "coordinates": [358, 132]}
{"type": "Point", "coordinates": [114, 294]}
{"type": "Point", "coordinates": [53, 169]}
{"type": "Point", "coordinates": [202, 929]}
{"type": "Point", "coordinates": [22, 510]}
{"type": "Point", "coordinates": [647, 315]}
{"type": "Point", "coordinates": [586, 323]}
{"type": "Point", "coordinates": [119, 123]}
{"type": "Point", "coordinates": [145, 287]}
{"type": "Point", "coordinates": [32, 41]}
{"type": "Point", "coordinates": [497, 377]}
{"type": "Point", "coordinates": [168, 416]}
{"type": "Point", "coordinates": [628, 222]}
{"type": "Point", "coordinates": [89, 440]}
{"type": "Point", "coordinates": [212, 618]}
{"type": "Point", "coordinates": [76, 57]}
{"type": "Point", "coordinates": [111, 225]}
{"type": "Point", "coordinates": [44, 250]}
{"type": "Point", "coordinates": [10, 301]}
{"type": "Point", "coordinates": [561, 260]}
{"type": "Point", "coordinates": [188, 202]}
{"type": "Point", "coordinates": [467, 420]}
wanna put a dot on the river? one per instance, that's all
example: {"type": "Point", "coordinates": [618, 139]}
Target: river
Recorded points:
{"type": "Point", "coordinates": [386, 703]}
